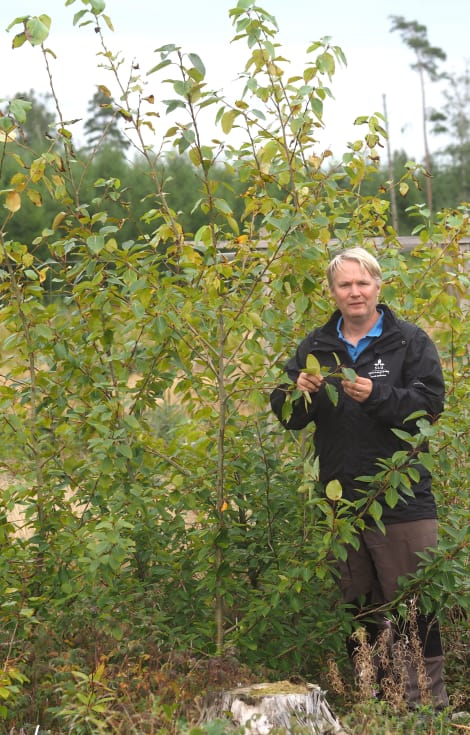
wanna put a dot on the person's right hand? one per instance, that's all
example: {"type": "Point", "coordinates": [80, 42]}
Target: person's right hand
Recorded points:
{"type": "Point", "coordinates": [310, 383]}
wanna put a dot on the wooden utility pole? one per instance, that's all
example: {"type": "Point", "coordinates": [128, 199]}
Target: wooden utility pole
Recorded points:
{"type": "Point", "coordinates": [393, 193]}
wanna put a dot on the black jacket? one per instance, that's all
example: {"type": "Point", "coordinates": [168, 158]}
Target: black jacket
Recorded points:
{"type": "Point", "coordinates": [405, 370]}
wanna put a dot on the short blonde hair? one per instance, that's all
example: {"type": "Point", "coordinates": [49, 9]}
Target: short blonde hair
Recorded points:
{"type": "Point", "coordinates": [365, 259]}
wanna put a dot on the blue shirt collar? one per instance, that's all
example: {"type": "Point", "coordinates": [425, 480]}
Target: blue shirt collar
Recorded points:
{"type": "Point", "coordinates": [375, 331]}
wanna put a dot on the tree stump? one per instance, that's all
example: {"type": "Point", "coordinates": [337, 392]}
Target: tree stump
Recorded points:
{"type": "Point", "coordinates": [261, 707]}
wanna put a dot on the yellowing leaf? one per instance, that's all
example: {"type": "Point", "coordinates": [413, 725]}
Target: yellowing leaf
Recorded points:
{"type": "Point", "coordinates": [37, 169]}
{"type": "Point", "coordinates": [7, 136]}
{"type": "Point", "coordinates": [255, 319]}
{"type": "Point", "coordinates": [111, 245]}
{"type": "Point", "coordinates": [313, 366]}
{"type": "Point", "coordinates": [228, 118]}
{"type": "Point", "coordinates": [334, 490]}
{"type": "Point", "coordinates": [315, 162]}
{"type": "Point", "coordinates": [27, 259]}
{"type": "Point", "coordinates": [18, 40]}
{"type": "Point", "coordinates": [13, 201]}
{"type": "Point", "coordinates": [275, 70]}
{"type": "Point", "coordinates": [34, 197]}
{"type": "Point", "coordinates": [195, 156]}
{"type": "Point", "coordinates": [65, 133]}
{"type": "Point", "coordinates": [403, 188]}
{"type": "Point", "coordinates": [19, 182]}
{"type": "Point", "coordinates": [58, 219]}
{"type": "Point", "coordinates": [104, 90]}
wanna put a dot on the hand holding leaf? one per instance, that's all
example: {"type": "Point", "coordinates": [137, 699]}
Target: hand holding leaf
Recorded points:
{"type": "Point", "coordinates": [355, 386]}
{"type": "Point", "coordinates": [313, 368]}
{"type": "Point", "coordinates": [307, 384]}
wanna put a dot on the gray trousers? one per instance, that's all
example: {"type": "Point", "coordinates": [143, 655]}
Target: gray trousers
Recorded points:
{"type": "Point", "coordinates": [369, 578]}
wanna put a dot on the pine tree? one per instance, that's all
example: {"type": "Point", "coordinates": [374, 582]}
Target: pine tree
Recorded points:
{"type": "Point", "coordinates": [415, 36]}
{"type": "Point", "coordinates": [102, 124]}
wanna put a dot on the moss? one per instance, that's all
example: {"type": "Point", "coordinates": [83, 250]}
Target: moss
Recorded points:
{"type": "Point", "coordinates": [273, 689]}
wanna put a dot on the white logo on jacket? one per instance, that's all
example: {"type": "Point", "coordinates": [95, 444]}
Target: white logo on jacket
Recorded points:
{"type": "Point", "coordinates": [379, 370]}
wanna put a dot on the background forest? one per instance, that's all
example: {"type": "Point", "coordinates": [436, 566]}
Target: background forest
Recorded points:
{"type": "Point", "coordinates": [161, 535]}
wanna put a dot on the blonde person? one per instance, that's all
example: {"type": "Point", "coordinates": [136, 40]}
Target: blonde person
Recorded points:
{"type": "Point", "coordinates": [398, 372]}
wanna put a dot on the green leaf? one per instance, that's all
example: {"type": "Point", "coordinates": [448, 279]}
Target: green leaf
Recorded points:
{"type": "Point", "coordinates": [19, 109]}
{"type": "Point", "coordinates": [326, 63]}
{"type": "Point", "coordinates": [302, 303]}
{"type": "Point", "coordinates": [426, 460]}
{"type": "Point", "coordinates": [415, 415]}
{"type": "Point", "coordinates": [375, 510]}
{"type": "Point", "coordinates": [161, 65]}
{"type": "Point", "coordinates": [197, 63]}
{"type": "Point", "coordinates": [317, 107]}
{"type": "Point", "coordinates": [38, 29]}
{"type": "Point", "coordinates": [391, 497]}
{"type": "Point", "coordinates": [97, 6]}
{"type": "Point", "coordinates": [413, 474]}
{"type": "Point", "coordinates": [403, 435]}
{"type": "Point", "coordinates": [349, 374]}
{"type": "Point", "coordinates": [222, 205]}
{"type": "Point", "coordinates": [332, 393]}
{"type": "Point", "coordinates": [426, 428]}
{"type": "Point", "coordinates": [286, 412]}
{"type": "Point", "coordinates": [44, 330]}
{"type": "Point", "coordinates": [96, 243]}
{"type": "Point", "coordinates": [312, 472]}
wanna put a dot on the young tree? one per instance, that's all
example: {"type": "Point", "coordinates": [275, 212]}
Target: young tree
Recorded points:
{"type": "Point", "coordinates": [415, 36]}
{"type": "Point", "coordinates": [160, 508]}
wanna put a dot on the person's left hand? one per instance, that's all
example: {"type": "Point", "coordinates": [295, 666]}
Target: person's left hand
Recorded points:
{"type": "Point", "coordinates": [360, 390]}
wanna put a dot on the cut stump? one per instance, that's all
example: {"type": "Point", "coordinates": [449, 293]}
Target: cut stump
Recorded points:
{"type": "Point", "coordinates": [261, 707]}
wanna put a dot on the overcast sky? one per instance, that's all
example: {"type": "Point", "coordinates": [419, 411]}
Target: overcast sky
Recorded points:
{"type": "Point", "coordinates": [378, 61]}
